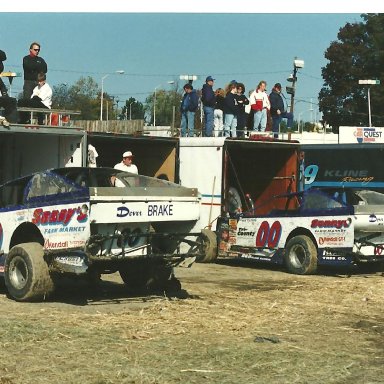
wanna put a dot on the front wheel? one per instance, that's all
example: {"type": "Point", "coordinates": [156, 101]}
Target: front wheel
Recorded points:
{"type": "Point", "coordinates": [208, 246]}
{"type": "Point", "coordinates": [301, 255]}
{"type": "Point", "coordinates": [26, 273]}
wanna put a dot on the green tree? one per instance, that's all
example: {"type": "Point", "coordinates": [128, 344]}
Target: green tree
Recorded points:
{"type": "Point", "coordinates": [357, 54]}
{"type": "Point", "coordinates": [84, 96]}
{"type": "Point", "coordinates": [132, 109]}
{"type": "Point", "coordinates": [165, 101]}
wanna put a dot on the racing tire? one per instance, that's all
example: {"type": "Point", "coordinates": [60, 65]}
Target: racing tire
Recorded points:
{"type": "Point", "coordinates": [301, 255]}
{"type": "Point", "coordinates": [26, 273]}
{"type": "Point", "coordinates": [208, 247]}
{"type": "Point", "coordinates": [146, 275]}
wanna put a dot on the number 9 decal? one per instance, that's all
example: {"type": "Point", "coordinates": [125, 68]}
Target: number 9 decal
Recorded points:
{"type": "Point", "coordinates": [268, 237]}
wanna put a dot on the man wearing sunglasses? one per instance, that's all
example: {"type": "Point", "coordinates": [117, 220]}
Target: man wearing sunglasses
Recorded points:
{"type": "Point", "coordinates": [32, 65]}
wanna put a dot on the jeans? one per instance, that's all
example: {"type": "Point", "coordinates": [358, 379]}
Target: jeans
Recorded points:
{"type": "Point", "coordinates": [276, 120]}
{"type": "Point", "coordinates": [208, 118]}
{"type": "Point", "coordinates": [241, 119]}
{"type": "Point", "coordinates": [218, 122]}
{"type": "Point", "coordinates": [230, 124]}
{"type": "Point", "coordinates": [187, 121]}
{"type": "Point", "coordinates": [260, 117]}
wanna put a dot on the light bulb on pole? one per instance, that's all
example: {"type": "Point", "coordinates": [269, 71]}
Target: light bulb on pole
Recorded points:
{"type": "Point", "coordinates": [120, 72]}
{"type": "Point", "coordinates": [369, 82]}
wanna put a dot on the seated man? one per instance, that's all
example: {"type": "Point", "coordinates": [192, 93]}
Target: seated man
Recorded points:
{"type": "Point", "coordinates": [41, 98]}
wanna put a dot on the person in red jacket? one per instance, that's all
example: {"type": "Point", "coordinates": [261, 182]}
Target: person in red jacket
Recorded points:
{"type": "Point", "coordinates": [260, 105]}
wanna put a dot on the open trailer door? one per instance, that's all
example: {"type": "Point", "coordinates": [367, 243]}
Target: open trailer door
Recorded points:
{"type": "Point", "coordinates": [153, 156]}
{"type": "Point", "coordinates": [254, 171]}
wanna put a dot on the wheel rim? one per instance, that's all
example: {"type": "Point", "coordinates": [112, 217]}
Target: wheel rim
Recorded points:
{"type": "Point", "coordinates": [18, 272]}
{"type": "Point", "coordinates": [297, 256]}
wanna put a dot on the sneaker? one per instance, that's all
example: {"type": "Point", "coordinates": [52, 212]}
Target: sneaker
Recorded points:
{"type": "Point", "coordinates": [4, 122]}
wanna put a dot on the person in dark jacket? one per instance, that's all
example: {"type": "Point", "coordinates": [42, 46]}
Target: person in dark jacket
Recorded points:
{"type": "Point", "coordinates": [8, 103]}
{"type": "Point", "coordinates": [208, 99]}
{"type": "Point", "coordinates": [242, 101]}
{"type": "Point", "coordinates": [218, 115]}
{"type": "Point", "coordinates": [278, 111]}
{"type": "Point", "coordinates": [230, 112]}
{"type": "Point", "coordinates": [188, 107]}
{"type": "Point", "coordinates": [32, 65]}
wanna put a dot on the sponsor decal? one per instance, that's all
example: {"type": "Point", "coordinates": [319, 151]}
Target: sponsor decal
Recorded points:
{"type": "Point", "coordinates": [378, 250]}
{"type": "Point", "coordinates": [160, 210]}
{"type": "Point", "coordinates": [245, 232]}
{"type": "Point", "coordinates": [124, 212]}
{"type": "Point", "coordinates": [331, 240]}
{"type": "Point", "coordinates": [55, 244]}
{"type": "Point", "coordinates": [49, 231]}
{"type": "Point", "coordinates": [367, 135]}
{"type": "Point", "coordinates": [333, 223]}
{"type": "Point", "coordinates": [64, 216]}
{"type": "Point", "coordinates": [374, 219]}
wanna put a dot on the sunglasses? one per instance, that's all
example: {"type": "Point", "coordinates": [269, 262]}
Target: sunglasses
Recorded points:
{"type": "Point", "coordinates": [36, 50]}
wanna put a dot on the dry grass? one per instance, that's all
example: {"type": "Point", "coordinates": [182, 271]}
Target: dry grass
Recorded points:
{"type": "Point", "coordinates": [237, 325]}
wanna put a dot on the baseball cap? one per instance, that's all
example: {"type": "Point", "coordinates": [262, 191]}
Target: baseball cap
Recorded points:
{"type": "Point", "coordinates": [209, 78]}
{"type": "Point", "coordinates": [127, 154]}
{"type": "Point", "coordinates": [233, 82]}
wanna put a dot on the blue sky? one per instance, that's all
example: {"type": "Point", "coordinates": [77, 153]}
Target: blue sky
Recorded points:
{"type": "Point", "coordinates": [154, 48]}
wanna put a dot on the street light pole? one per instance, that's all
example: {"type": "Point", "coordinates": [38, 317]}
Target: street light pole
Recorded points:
{"type": "Point", "coordinates": [154, 101]}
{"type": "Point", "coordinates": [297, 63]}
{"type": "Point", "coordinates": [369, 82]}
{"type": "Point", "coordinates": [130, 110]}
{"type": "Point", "coordinates": [120, 72]}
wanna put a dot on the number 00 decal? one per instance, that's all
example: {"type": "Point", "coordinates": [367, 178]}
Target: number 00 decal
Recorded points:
{"type": "Point", "coordinates": [268, 236]}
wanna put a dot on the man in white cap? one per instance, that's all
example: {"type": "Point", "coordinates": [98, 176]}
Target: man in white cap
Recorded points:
{"type": "Point", "coordinates": [126, 164]}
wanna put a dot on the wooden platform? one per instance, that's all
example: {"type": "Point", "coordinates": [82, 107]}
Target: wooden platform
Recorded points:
{"type": "Point", "coordinates": [58, 117]}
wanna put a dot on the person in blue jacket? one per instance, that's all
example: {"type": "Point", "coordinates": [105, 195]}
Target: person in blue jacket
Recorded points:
{"type": "Point", "coordinates": [278, 111]}
{"type": "Point", "coordinates": [188, 108]}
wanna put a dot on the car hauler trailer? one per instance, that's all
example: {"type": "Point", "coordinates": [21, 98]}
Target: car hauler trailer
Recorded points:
{"type": "Point", "coordinates": [28, 148]}
{"type": "Point", "coordinates": [354, 165]}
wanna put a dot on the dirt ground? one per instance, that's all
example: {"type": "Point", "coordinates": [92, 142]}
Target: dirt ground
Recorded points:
{"type": "Point", "coordinates": [231, 323]}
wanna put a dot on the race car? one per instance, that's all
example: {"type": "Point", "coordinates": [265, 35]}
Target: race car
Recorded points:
{"type": "Point", "coordinates": [76, 221]}
{"type": "Point", "coordinates": [309, 228]}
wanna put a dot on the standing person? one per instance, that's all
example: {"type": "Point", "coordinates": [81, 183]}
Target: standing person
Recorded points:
{"type": "Point", "coordinates": [260, 105]}
{"type": "Point", "coordinates": [242, 101]}
{"type": "Point", "coordinates": [188, 108]}
{"type": "Point", "coordinates": [41, 98]}
{"type": "Point", "coordinates": [218, 114]}
{"type": "Point", "coordinates": [125, 165]}
{"type": "Point", "coordinates": [278, 111]}
{"type": "Point", "coordinates": [32, 66]}
{"type": "Point", "coordinates": [208, 99]}
{"type": "Point", "coordinates": [230, 112]}
{"type": "Point", "coordinates": [9, 103]}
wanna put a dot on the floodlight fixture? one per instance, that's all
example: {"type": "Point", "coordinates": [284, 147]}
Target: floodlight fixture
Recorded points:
{"type": "Point", "coordinates": [298, 63]}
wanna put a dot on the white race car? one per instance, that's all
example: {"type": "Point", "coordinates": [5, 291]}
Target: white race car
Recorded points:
{"type": "Point", "coordinates": [310, 228]}
{"type": "Point", "coordinates": [74, 220]}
